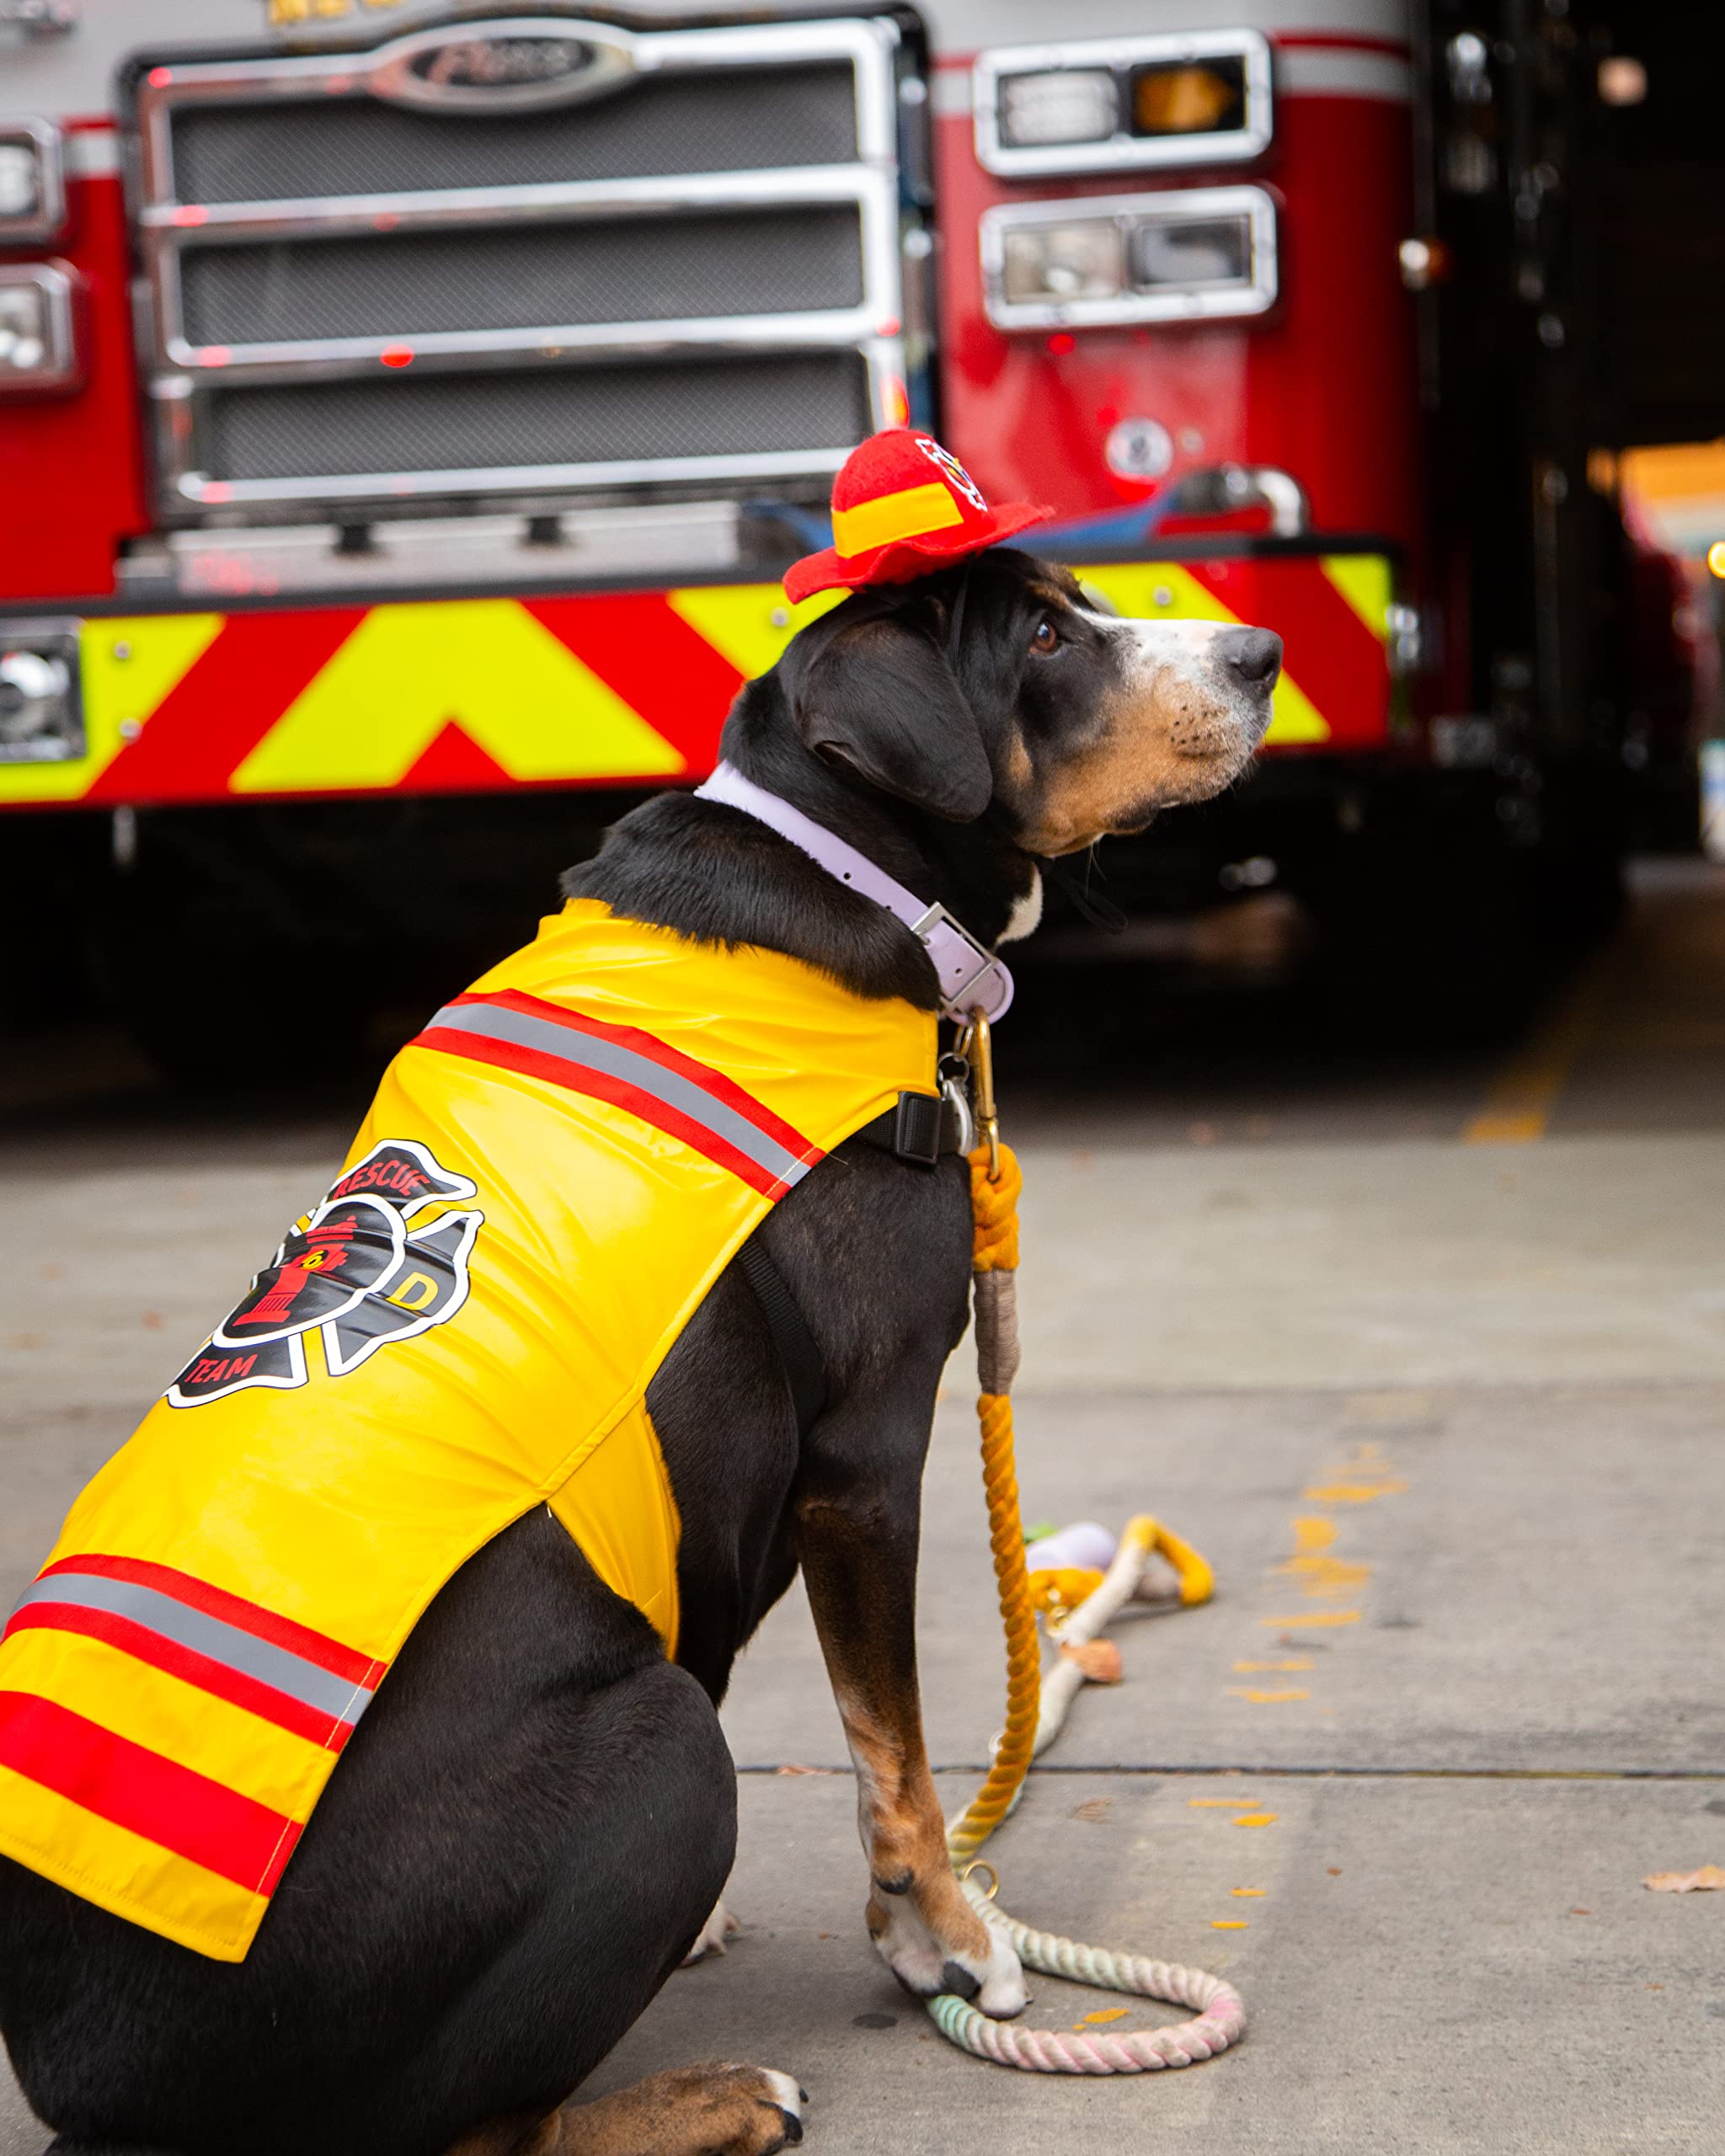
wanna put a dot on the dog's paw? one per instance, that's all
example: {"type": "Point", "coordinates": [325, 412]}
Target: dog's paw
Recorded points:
{"type": "Point", "coordinates": [955, 1952]}
{"type": "Point", "coordinates": [714, 2109]}
{"type": "Point", "coordinates": [720, 1926]}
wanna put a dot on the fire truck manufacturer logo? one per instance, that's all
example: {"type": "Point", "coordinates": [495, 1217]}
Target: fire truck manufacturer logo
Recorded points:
{"type": "Point", "coordinates": [955, 474]}
{"type": "Point", "coordinates": [357, 1271]}
{"type": "Point", "coordinates": [502, 67]}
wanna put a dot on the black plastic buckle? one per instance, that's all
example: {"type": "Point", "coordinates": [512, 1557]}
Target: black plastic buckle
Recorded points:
{"type": "Point", "coordinates": [917, 1127]}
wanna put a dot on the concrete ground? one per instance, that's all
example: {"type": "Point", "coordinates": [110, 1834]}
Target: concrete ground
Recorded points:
{"type": "Point", "coordinates": [1424, 1353]}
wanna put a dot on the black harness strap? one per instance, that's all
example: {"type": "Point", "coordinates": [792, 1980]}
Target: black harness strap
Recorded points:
{"type": "Point", "coordinates": [805, 1373]}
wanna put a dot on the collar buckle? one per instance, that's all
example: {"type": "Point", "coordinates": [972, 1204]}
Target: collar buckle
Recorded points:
{"type": "Point", "coordinates": [970, 975]}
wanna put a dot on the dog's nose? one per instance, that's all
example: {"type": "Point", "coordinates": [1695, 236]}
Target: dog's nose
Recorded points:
{"type": "Point", "coordinates": [1254, 654]}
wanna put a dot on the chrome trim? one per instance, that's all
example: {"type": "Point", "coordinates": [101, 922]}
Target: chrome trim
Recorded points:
{"type": "Point", "coordinates": [50, 146]}
{"type": "Point", "coordinates": [506, 479]}
{"type": "Point", "coordinates": [455, 209]}
{"type": "Point", "coordinates": [174, 400]}
{"type": "Point", "coordinates": [390, 77]}
{"type": "Point", "coordinates": [1166, 205]}
{"type": "Point", "coordinates": [481, 351]}
{"type": "Point", "coordinates": [62, 366]}
{"type": "Point", "coordinates": [868, 43]}
{"type": "Point", "coordinates": [1123, 152]}
{"type": "Point", "coordinates": [874, 194]}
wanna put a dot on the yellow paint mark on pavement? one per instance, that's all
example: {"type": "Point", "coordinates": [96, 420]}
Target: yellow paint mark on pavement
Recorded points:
{"type": "Point", "coordinates": [1103, 2013]}
{"type": "Point", "coordinates": [1228, 1923]}
{"type": "Point", "coordinates": [1263, 1698]}
{"type": "Point", "coordinates": [1355, 1492]}
{"type": "Point", "coordinates": [1256, 1819]}
{"type": "Point", "coordinates": [1247, 1893]}
{"type": "Point", "coordinates": [1318, 1573]}
{"type": "Point", "coordinates": [1309, 1621]}
{"type": "Point", "coordinates": [1519, 1102]}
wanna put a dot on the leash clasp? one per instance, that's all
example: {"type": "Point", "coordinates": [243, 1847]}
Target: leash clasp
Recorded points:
{"type": "Point", "coordinates": [976, 1046]}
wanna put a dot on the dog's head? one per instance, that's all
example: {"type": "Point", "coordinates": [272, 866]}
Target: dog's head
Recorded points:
{"type": "Point", "coordinates": [1000, 686]}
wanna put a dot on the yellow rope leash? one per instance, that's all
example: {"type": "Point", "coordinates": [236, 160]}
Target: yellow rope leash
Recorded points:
{"type": "Point", "coordinates": [996, 1182]}
{"type": "Point", "coordinates": [994, 1206]}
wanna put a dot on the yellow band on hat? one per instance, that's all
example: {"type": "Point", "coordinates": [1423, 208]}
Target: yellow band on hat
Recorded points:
{"type": "Point", "coordinates": [907, 514]}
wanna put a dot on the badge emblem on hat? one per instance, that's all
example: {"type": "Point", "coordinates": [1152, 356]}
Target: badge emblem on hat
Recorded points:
{"type": "Point", "coordinates": [892, 521]}
{"type": "Point", "coordinates": [947, 462]}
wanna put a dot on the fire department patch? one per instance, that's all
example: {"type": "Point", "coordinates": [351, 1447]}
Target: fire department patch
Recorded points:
{"type": "Point", "coordinates": [356, 1271]}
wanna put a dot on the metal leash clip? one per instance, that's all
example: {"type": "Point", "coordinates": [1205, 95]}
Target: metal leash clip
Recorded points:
{"type": "Point", "coordinates": [953, 1073]}
{"type": "Point", "coordinates": [976, 1046]}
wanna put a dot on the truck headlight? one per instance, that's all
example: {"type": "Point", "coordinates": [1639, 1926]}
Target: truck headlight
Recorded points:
{"type": "Point", "coordinates": [1085, 260]}
{"type": "Point", "coordinates": [1188, 254]}
{"type": "Point", "coordinates": [1068, 104]}
{"type": "Point", "coordinates": [38, 328]}
{"type": "Point", "coordinates": [39, 719]}
{"type": "Point", "coordinates": [32, 181]}
{"type": "Point", "coordinates": [1110, 102]}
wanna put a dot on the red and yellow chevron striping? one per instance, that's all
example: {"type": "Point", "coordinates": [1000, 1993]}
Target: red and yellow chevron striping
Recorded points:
{"type": "Point", "coordinates": [475, 695]}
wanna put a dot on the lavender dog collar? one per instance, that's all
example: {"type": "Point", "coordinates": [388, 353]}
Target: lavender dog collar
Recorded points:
{"type": "Point", "coordinates": [970, 975]}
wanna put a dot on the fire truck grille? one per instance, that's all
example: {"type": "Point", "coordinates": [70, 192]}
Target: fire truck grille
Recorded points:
{"type": "Point", "coordinates": [685, 280]}
{"type": "Point", "coordinates": [647, 270]}
{"type": "Point", "coordinates": [663, 412]}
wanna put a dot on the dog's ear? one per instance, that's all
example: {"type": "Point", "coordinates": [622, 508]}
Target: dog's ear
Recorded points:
{"type": "Point", "coordinates": [877, 694]}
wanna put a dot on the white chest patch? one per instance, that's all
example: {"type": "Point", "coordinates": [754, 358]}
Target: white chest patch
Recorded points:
{"type": "Point", "coordinates": [1027, 912]}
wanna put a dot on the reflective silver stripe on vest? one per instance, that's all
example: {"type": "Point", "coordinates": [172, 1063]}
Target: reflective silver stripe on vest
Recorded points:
{"type": "Point", "coordinates": [187, 1627]}
{"type": "Point", "coordinates": [586, 1051]}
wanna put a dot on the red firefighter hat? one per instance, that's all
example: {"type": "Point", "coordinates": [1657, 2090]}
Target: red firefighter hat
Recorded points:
{"type": "Point", "coordinates": [901, 506]}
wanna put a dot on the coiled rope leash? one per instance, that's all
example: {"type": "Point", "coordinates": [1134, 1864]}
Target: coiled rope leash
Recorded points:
{"type": "Point", "coordinates": [995, 1182]}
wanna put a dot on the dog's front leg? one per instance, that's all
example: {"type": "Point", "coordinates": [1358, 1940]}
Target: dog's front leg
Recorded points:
{"type": "Point", "coordinates": [858, 1540]}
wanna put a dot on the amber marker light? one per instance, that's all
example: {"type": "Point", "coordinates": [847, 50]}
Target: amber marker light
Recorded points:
{"type": "Point", "coordinates": [1716, 557]}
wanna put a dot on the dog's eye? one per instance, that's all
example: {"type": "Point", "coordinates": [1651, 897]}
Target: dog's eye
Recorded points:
{"type": "Point", "coordinates": [1047, 638]}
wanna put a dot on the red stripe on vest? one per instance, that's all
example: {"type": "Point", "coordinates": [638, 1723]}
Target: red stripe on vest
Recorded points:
{"type": "Point", "coordinates": [722, 1089]}
{"type": "Point", "coordinates": [131, 1786]}
{"type": "Point", "coordinates": [185, 1663]}
{"type": "Point", "coordinates": [232, 1609]}
{"type": "Point", "coordinates": [600, 1086]}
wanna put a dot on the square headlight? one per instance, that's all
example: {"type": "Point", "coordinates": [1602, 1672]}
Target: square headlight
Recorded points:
{"type": "Point", "coordinates": [1192, 253]}
{"type": "Point", "coordinates": [32, 181]}
{"type": "Point", "coordinates": [1066, 105]}
{"type": "Point", "coordinates": [41, 719]}
{"type": "Point", "coordinates": [1185, 254]}
{"type": "Point", "coordinates": [1083, 260]}
{"type": "Point", "coordinates": [1101, 103]}
{"type": "Point", "coordinates": [38, 328]}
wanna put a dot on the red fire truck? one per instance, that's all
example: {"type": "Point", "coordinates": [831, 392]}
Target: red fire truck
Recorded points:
{"type": "Point", "coordinates": [405, 413]}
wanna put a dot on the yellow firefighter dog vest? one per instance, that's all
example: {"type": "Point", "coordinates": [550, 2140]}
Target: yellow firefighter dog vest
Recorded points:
{"type": "Point", "coordinates": [552, 1176]}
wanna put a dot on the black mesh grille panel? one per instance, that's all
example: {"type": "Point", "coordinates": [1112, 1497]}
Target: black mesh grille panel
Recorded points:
{"type": "Point", "coordinates": [729, 121]}
{"type": "Point", "coordinates": [525, 277]}
{"type": "Point", "coordinates": [430, 423]}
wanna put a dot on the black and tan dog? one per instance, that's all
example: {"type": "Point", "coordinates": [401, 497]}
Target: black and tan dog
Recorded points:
{"type": "Point", "coordinates": [532, 1826]}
